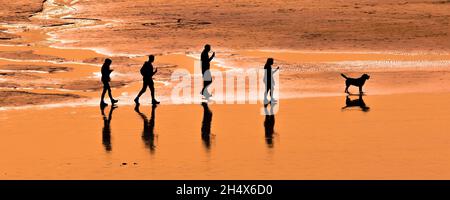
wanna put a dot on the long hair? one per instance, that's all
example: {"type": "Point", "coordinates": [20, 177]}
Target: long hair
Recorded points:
{"type": "Point", "coordinates": [268, 63]}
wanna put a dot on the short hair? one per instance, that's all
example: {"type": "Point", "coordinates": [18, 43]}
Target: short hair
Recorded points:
{"type": "Point", "coordinates": [207, 46]}
{"type": "Point", "coordinates": [108, 61]}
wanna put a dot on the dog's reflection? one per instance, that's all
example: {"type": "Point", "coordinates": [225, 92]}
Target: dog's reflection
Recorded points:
{"type": "Point", "coordinates": [356, 103]}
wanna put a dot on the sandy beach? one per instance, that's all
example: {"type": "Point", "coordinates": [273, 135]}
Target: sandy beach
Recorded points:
{"type": "Point", "coordinates": [52, 127]}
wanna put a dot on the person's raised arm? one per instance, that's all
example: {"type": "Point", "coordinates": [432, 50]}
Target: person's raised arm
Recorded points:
{"type": "Point", "coordinates": [276, 70]}
{"type": "Point", "coordinates": [212, 56]}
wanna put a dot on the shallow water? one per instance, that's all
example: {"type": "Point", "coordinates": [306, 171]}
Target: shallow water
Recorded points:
{"type": "Point", "coordinates": [400, 137]}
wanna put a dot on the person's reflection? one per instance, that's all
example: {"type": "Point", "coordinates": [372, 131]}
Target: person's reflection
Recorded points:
{"type": "Point", "coordinates": [356, 103]}
{"type": "Point", "coordinates": [106, 131]}
{"type": "Point", "coordinates": [269, 124]}
{"type": "Point", "coordinates": [148, 134]}
{"type": "Point", "coordinates": [206, 125]}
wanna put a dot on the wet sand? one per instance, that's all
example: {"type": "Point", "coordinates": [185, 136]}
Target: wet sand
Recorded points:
{"type": "Point", "coordinates": [400, 137]}
{"type": "Point", "coordinates": [179, 26]}
{"type": "Point", "coordinates": [50, 57]}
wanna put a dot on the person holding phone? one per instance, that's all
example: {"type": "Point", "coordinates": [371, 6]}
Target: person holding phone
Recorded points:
{"type": "Point", "coordinates": [106, 72]}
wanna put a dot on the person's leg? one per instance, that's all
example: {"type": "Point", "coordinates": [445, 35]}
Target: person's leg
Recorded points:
{"type": "Point", "coordinates": [144, 88]}
{"type": "Point", "coordinates": [266, 92]}
{"type": "Point", "coordinates": [272, 99]}
{"type": "Point", "coordinates": [103, 95]}
{"type": "Point", "coordinates": [204, 82]}
{"type": "Point", "coordinates": [207, 80]}
{"type": "Point", "coordinates": [208, 83]}
{"type": "Point", "coordinates": [271, 92]}
{"type": "Point", "coordinates": [204, 86]}
{"type": "Point", "coordinates": [152, 90]}
{"type": "Point", "coordinates": [113, 101]}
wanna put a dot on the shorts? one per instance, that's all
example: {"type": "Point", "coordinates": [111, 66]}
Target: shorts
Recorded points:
{"type": "Point", "coordinates": [207, 76]}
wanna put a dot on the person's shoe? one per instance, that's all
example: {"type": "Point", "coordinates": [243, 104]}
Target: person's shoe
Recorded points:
{"type": "Point", "coordinates": [136, 100]}
{"type": "Point", "coordinates": [103, 104]}
{"type": "Point", "coordinates": [154, 102]}
{"type": "Point", "coordinates": [113, 101]}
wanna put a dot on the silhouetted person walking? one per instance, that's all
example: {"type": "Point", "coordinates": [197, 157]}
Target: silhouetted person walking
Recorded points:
{"type": "Point", "coordinates": [147, 75]}
{"type": "Point", "coordinates": [268, 80]}
{"type": "Point", "coordinates": [106, 72]}
{"type": "Point", "coordinates": [148, 134]}
{"type": "Point", "coordinates": [206, 73]}
{"type": "Point", "coordinates": [206, 125]}
{"type": "Point", "coordinates": [106, 131]}
{"type": "Point", "coordinates": [269, 124]}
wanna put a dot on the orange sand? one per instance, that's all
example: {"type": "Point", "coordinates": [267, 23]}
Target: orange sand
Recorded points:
{"type": "Point", "coordinates": [401, 137]}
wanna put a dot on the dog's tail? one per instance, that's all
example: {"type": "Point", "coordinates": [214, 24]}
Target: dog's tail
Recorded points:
{"type": "Point", "coordinates": [343, 75]}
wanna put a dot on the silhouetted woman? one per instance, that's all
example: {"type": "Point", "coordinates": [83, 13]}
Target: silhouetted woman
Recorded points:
{"type": "Point", "coordinates": [147, 76]}
{"type": "Point", "coordinates": [106, 72]}
{"type": "Point", "coordinates": [268, 80]}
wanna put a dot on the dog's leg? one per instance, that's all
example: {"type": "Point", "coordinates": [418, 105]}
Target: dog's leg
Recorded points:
{"type": "Point", "coordinates": [360, 90]}
{"type": "Point", "coordinates": [346, 89]}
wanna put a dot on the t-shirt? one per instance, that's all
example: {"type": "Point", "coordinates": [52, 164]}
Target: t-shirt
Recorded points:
{"type": "Point", "coordinates": [105, 74]}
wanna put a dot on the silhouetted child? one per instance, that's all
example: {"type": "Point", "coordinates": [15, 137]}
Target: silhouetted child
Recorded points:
{"type": "Point", "coordinates": [268, 80]}
{"type": "Point", "coordinates": [207, 78]}
{"type": "Point", "coordinates": [147, 75]}
{"type": "Point", "coordinates": [106, 72]}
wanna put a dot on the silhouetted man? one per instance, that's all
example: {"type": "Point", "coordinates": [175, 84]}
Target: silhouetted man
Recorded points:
{"type": "Point", "coordinates": [148, 134]}
{"type": "Point", "coordinates": [207, 78]}
{"type": "Point", "coordinates": [147, 75]}
{"type": "Point", "coordinates": [268, 80]}
{"type": "Point", "coordinates": [106, 72]}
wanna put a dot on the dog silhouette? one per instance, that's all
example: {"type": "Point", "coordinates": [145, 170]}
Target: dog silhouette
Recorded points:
{"type": "Point", "coordinates": [358, 82]}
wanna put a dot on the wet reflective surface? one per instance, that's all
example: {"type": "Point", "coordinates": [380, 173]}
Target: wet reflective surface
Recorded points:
{"type": "Point", "coordinates": [403, 136]}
